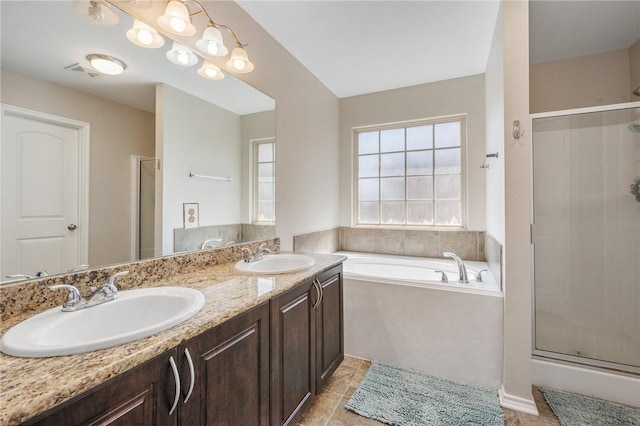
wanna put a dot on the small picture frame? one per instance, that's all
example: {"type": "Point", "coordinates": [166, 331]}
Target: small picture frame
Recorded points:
{"type": "Point", "coordinates": [190, 215]}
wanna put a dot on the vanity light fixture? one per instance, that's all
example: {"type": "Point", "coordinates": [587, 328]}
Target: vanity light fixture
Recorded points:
{"type": "Point", "coordinates": [143, 35]}
{"type": "Point", "coordinates": [176, 19]}
{"type": "Point", "coordinates": [97, 11]}
{"type": "Point", "coordinates": [239, 61]}
{"type": "Point", "coordinates": [210, 71]}
{"type": "Point", "coordinates": [106, 64]}
{"type": "Point", "coordinates": [211, 42]}
{"type": "Point", "coordinates": [180, 55]}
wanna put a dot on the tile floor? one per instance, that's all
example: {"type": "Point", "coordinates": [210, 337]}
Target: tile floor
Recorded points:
{"type": "Point", "coordinates": [328, 407]}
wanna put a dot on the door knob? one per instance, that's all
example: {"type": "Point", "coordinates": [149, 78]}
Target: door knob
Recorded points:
{"type": "Point", "coordinates": [72, 227]}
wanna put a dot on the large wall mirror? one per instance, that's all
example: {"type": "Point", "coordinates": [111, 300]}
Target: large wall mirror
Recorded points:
{"type": "Point", "coordinates": [155, 161]}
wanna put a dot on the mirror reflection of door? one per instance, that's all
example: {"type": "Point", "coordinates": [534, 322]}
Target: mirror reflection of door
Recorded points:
{"type": "Point", "coordinates": [43, 206]}
{"type": "Point", "coordinates": [147, 208]}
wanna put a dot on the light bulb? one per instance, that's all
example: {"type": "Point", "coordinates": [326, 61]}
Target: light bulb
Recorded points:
{"type": "Point", "coordinates": [182, 57]}
{"type": "Point", "coordinates": [177, 24]}
{"type": "Point", "coordinates": [211, 72]}
{"type": "Point", "coordinates": [212, 48]}
{"type": "Point", "coordinates": [239, 64]}
{"type": "Point", "coordinates": [145, 37]}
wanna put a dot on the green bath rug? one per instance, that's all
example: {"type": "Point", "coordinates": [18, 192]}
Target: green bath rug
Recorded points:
{"type": "Point", "coordinates": [578, 410]}
{"type": "Point", "coordinates": [397, 396]}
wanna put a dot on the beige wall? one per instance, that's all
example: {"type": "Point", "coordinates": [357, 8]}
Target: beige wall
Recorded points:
{"type": "Point", "coordinates": [634, 63]}
{"type": "Point", "coordinates": [457, 96]}
{"type": "Point", "coordinates": [581, 82]}
{"type": "Point", "coordinates": [516, 384]}
{"type": "Point", "coordinates": [117, 132]}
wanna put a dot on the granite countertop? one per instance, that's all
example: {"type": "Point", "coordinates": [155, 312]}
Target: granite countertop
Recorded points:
{"type": "Point", "coordinates": [30, 386]}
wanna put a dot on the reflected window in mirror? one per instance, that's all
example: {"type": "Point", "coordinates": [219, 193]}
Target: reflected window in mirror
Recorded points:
{"type": "Point", "coordinates": [264, 181]}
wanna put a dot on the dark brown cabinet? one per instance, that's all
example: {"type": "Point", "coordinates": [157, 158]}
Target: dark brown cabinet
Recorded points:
{"type": "Point", "coordinates": [142, 396]}
{"type": "Point", "coordinates": [231, 370]}
{"type": "Point", "coordinates": [307, 343]}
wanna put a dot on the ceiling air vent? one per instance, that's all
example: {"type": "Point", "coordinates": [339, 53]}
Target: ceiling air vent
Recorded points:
{"type": "Point", "coordinates": [83, 69]}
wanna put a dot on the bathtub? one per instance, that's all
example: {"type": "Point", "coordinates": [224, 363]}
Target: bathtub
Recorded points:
{"type": "Point", "coordinates": [396, 310]}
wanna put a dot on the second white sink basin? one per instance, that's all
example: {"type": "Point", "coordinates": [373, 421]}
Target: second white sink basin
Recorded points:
{"type": "Point", "coordinates": [133, 315]}
{"type": "Point", "coordinates": [277, 264]}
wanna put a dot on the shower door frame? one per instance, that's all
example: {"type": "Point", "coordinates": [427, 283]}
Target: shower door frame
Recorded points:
{"type": "Point", "coordinates": [539, 353]}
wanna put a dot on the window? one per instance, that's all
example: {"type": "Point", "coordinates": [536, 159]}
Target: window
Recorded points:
{"type": "Point", "coordinates": [410, 174]}
{"type": "Point", "coordinates": [264, 181]}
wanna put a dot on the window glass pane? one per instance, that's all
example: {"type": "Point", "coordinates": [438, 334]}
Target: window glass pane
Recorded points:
{"type": "Point", "coordinates": [447, 134]}
{"type": "Point", "coordinates": [266, 212]}
{"type": "Point", "coordinates": [392, 212]}
{"type": "Point", "coordinates": [420, 137]}
{"type": "Point", "coordinates": [265, 172]}
{"type": "Point", "coordinates": [448, 161]}
{"type": "Point", "coordinates": [392, 164]}
{"type": "Point", "coordinates": [368, 143]}
{"type": "Point", "coordinates": [420, 213]}
{"type": "Point", "coordinates": [392, 140]}
{"type": "Point", "coordinates": [266, 192]}
{"type": "Point", "coordinates": [392, 188]}
{"type": "Point", "coordinates": [368, 213]}
{"type": "Point", "coordinates": [420, 188]}
{"type": "Point", "coordinates": [265, 152]}
{"type": "Point", "coordinates": [448, 213]}
{"type": "Point", "coordinates": [368, 166]}
{"type": "Point", "coordinates": [420, 163]}
{"type": "Point", "coordinates": [447, 187]}
{"type": "Point", "coordinates": [368, 190]}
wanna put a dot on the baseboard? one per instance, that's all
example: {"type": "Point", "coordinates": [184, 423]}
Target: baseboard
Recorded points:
{"type": "Point", "coordinates": [517, 403]}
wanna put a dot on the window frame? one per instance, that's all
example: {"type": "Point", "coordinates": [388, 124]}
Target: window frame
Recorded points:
{"type": "Point", "coordinates": [462, 118]}
{"type": "Point", "coordinates": [255, 143]}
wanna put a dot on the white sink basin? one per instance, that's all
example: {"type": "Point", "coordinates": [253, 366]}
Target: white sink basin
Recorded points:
{"type": "Point", "coordinates": [133, 315]}
{"type": "Point", "coordinates": [277, 264]}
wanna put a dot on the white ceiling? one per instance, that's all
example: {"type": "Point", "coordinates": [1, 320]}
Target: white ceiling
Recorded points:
{"type": "Point", "coordinates": [357, 47]}
{"type": "Point", "coordinates": [41, 38]}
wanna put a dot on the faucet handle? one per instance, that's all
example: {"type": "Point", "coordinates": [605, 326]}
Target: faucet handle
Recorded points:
{"type": "Point", "coordinates": [109, 286]}
{"type": "Point", "coordinates": [479, 277]}
{"type": "Point", "coordinates": [444, 277]}
{"type": "Point", "coordinates": [73, 299]}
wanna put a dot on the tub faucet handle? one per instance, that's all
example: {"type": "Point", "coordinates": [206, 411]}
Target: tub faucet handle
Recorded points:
{"type": "Point", "coordinates": [444, 277]}
{"type": "Point", "coordinates": [479, 277]}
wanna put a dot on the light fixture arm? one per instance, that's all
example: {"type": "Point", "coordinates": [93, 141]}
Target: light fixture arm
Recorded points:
{"type": "Point", "coordinates": [211, 21]}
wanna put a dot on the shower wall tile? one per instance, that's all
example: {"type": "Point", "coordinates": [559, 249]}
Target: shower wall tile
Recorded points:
{"type": "Point", "coordinates": [388, 241]}
{"type": "Point", "coordinates": [317, 242]}
{"type": "Point", "coordinates": [356, 239]}
{"type": "Point", "coordinates": [422, 243]}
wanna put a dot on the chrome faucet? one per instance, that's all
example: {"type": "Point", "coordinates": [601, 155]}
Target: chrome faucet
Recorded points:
{"type": "Point", "coordinates": [461, 268]}
{"type": "Point", "coordinates": [39, 274]}
{"type": "Point", "coordinates": [210, 243]}
{"type": "Point", "coordinates": [108, 291]}
{"type": "Point", "coordinates": [250, 256]}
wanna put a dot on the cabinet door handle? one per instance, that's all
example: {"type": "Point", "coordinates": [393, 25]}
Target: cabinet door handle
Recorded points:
{"type": "Point", "coordinates": [315, 285]}
{"type": "Point", "coordinates": [191, 373]}
{"type": "Point", "coordinates": [176, 377]}
{"type": "Point", "coordinates": [321, 291]}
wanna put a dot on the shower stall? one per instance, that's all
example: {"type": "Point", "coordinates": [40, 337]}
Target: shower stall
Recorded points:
{"type": "Point", "coordinates": [586, 235]}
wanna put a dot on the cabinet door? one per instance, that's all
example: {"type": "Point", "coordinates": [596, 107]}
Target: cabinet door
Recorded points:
{"type": "Point", "coordinates": [142, 396]}
{"type": "Point", "coordinates": [329, 326]}
{"type": "Point", "coordinates": [293, 348]}
{"type": "Point", "coordinates": [231, 373]}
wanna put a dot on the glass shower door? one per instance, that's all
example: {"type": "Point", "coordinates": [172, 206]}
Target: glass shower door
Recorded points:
{"type": "Point", "coordinates": [586, 168]}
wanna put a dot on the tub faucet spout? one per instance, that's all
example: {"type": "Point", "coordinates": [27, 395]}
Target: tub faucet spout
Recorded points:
{"type": "Point", "coordinates": [461, 268]}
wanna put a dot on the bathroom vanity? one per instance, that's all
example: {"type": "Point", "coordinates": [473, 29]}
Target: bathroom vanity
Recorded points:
{"type": "Point", "coordinates": [257, 353]}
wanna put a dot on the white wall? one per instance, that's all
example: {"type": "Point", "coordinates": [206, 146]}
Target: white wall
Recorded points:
{"type": "Point", "coordinates": [494, 114]}
{"type": "Point", "coordinates": [117, 132]}
{"type": "Point", "coordinates": [456, 96]}
{"type": "Point", "coordinates": [205, 139]}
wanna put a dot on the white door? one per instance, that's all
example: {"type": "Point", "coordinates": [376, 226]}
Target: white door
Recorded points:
{"type": "Point", "coordinates": [42, 190]}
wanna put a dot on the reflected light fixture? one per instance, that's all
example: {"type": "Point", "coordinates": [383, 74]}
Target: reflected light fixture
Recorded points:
{"type": "Point", "coordinates": [180, 55]}
{"type": "Point", "coordinates": [176, 19]}
{"type": "Point", "coordinates": [211, 42]}
{"type": "Point", "coordinates": [143, 35]}
{"type": "Point", "coordinates": [97, 11]}
{"type": "Point", "coordinates": [210, 71]}
{"type": "Point", "coordinates": [106, 64]}
{"type": "Point", "coordinates": [239, 61]}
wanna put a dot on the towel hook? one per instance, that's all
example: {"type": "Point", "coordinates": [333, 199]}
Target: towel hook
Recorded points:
{"type": "Point", "coordinates": [516, 130]}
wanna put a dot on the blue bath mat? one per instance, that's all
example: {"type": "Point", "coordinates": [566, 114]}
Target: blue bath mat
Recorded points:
{"type": "Point", "coordinates": [578, 410]}
{"type": "Point", "coordinates": [402, 397]}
